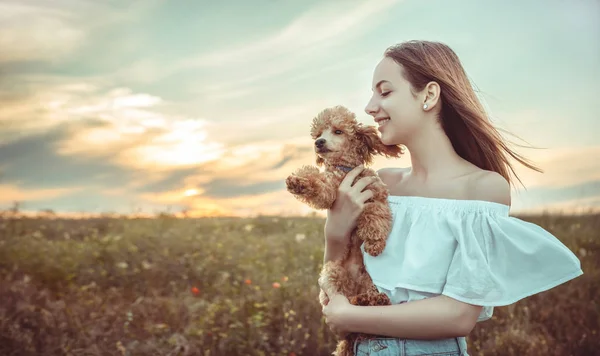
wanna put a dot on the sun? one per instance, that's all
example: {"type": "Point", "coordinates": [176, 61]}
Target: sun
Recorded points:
{"type": "Point", "coordinates": [191, 192]}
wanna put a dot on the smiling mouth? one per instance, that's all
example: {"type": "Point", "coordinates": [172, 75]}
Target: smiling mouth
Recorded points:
{"type": "Point", "coordinates": [383, 121]}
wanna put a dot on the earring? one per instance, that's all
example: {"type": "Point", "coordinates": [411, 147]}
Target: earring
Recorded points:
{"type": "Point", "coordinates": [425, 106]}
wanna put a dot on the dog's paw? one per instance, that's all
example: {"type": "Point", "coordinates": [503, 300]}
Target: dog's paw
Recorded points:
{"type": "Point", "coordinates": [361, 299]}
{"type": "Point", "coordinates": [370, 299]}
{"type": "Point", "coordinates": [382, 299]}
{"type": "Point", "coordinates": [374, 248]}
{"type": "Point", "coordinates": [298, 185]}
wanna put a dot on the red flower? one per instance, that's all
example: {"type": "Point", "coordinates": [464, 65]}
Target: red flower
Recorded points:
{"type": "Point", "coordinates": [195, 290]}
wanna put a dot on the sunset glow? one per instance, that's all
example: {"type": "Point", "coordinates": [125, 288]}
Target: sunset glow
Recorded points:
{"type": "Point", "coordinates": [101, 110]}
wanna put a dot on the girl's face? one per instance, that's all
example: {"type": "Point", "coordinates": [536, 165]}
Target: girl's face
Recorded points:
{"type": "Point", "coordinates": [395, 109]}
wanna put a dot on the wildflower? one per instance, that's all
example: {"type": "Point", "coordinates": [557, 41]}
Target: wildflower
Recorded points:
{"type": "Point", "coordinates": [248, 281]}
{"type": "Point", "coordinates": [121, 348]}
{"type": "Point", "coordinates": [284, 278]}
{"type": "Point", "coordinates": [195, 290]}
{"type": "Point", "coordinates": [276, 285]}
{"type": "Point", "coordinates": [146, 264]}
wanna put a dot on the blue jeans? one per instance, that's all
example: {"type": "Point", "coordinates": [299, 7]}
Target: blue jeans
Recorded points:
{"type": "Point", "coordinates": [387, 346]}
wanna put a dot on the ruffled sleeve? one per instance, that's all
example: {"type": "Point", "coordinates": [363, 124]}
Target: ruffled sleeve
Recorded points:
{"type": "Point", "coordinates": [499, 260]}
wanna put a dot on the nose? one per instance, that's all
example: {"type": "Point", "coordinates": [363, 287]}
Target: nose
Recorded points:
{"type": "Point", "coordinates": [320, 142]}
{"type": "Point", "coordinates": [371, 108]}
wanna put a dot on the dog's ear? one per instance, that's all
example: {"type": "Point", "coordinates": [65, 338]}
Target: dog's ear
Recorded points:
{"type": "Point", "coordinates": [373, 145]}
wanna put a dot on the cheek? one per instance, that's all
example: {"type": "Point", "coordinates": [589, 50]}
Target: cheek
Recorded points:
{"type": "Point", "coordinates": [394, 105]}
{"type": "Point", "coordinates": [401, 111]}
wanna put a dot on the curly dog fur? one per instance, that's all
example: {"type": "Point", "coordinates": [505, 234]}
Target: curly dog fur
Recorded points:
{"type": "Point", "coordinates": [341, 143]}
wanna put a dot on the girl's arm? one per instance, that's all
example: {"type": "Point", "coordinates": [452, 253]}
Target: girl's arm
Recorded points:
{"type": "Point", "coordinates": [430, 318]}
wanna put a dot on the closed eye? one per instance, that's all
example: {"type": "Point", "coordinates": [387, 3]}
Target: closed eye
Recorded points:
{"type": "Point", "coordinates": [385, 94]}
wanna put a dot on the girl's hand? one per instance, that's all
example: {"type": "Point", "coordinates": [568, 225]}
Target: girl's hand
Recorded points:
{"type": "Point", "coordinates": [336, 311]}
{"type": "Point", "coordinates": [347, 207]}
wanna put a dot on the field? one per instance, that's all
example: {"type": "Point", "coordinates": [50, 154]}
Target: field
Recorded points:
{"type": "Point", "coordinates": [231, 286]}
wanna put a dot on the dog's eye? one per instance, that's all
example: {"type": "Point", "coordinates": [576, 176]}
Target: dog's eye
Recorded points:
{"type": "Point", "coordinates": [338, 132]}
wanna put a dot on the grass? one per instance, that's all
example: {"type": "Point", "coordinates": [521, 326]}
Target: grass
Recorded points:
{"type": "Point", "coordinates": [231, 286]}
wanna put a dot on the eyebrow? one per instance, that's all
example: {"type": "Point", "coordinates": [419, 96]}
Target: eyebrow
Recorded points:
{"type": "Point", "coordinates": [379, 83]}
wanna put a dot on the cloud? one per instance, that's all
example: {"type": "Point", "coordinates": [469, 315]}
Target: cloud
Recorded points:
{"type": "Point", "coordinates": [278, 202]}
{"type": "Point", "coordinates": [150, 144]}
{"type": "Point", "coordinates": [33, 163]}
{"type": "Point", "coordinates": [32, 33]}
{"type": "Point", "coordinates": [578, 197]}
{"type": "Point", "coordinates": [10, 193]}
{"type": "Point", "coordinates": [220, 188]}
{"type": "Point", "coordinates": [563, 166]}
{"type": "Point", "coordinates": [128, 126]}
{"type": "Point", "coordinates": [168, 181]}
{"type": "Point", "coordinates": [32, 104]}
{"type": "Point", "coordinates": [326, 24]}
{"type": "Point", "coordinates": [39, 31]}
{"type": "Point", "coordinates": [291, 152]}
{"type": "Point", "coordinates": [246, 180]}
{"type": "Point", "coordinates": [306, 39]}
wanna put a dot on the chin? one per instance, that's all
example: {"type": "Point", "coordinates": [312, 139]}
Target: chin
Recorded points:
{"type": "Point", "coordinates": [388, 140]}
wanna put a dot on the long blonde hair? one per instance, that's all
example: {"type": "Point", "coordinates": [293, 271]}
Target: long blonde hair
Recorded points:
{"type": "Point", "coordinates": [462, 116]}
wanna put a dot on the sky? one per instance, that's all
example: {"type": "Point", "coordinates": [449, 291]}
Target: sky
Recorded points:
{"type": "Point", "coordinates": [205, 106]}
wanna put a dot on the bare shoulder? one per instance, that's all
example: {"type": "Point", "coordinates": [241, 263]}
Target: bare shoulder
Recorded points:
{"type": "Point", "coordinates": [391, 175]}
{"type": "Point", "coordinates": [490, 186]}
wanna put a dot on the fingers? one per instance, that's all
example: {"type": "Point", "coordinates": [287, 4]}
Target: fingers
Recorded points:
{"type": "Point", "coordinates": [326, 289]}
{"type": "Point", "coordinates": [349, 178]}
{"type": "Point", "coordinates": [364, 196]}
{"type": "Point", "coordinates": [324, 295]}
{"type": "Point", "coordinates": [362, 183]}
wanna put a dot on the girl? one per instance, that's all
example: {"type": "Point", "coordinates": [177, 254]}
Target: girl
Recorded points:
{"type": "Point", "coordinates": [453, 252]}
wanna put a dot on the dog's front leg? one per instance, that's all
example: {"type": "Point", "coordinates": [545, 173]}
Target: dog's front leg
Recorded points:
{"type": "Point", "coordinates": [374, 226]}
{"type": "Point", "coordinates": [312, 187]}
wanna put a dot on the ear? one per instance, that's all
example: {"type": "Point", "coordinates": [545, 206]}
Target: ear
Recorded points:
{"type": "Point", "coordinates": [431, 95]}
{"type": "Point", "coordinates": [373, 145]}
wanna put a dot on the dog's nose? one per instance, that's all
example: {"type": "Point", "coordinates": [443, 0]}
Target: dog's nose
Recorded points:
{"type": "Point", "coordinates": [320, 142]}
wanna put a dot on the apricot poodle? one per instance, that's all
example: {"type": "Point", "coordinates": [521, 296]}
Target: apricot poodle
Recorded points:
{"type": "Point", "coordinates": [342, 143]}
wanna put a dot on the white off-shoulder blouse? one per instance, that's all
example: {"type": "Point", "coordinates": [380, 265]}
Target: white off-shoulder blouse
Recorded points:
{"type": "Point", "coordinates": [469, 250]}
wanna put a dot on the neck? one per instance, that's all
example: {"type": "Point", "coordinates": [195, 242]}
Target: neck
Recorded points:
{"type": "Point", "coordinates": [432, 154]}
